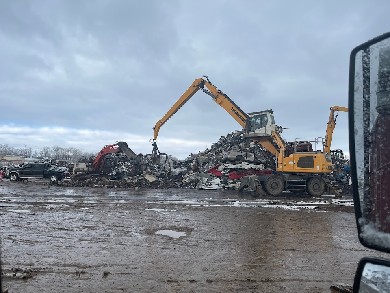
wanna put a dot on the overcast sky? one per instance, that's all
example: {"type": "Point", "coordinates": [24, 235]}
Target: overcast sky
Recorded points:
{"type": "Point", "coordinates": [86, 74]}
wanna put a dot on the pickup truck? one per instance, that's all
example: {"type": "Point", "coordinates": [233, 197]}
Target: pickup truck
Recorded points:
{"type": "Point", "coordinates": [38, 171]}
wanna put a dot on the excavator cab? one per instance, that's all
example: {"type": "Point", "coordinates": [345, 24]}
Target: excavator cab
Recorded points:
{"type": "Point", "coordinates": [260, 124]}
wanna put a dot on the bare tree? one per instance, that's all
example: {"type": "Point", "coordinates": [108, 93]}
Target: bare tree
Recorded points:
{"type": "Point", "coordinates": [70, 154]}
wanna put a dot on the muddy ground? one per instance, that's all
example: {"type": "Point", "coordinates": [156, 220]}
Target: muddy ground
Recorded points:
{"type": "Point", "coordinates": [66, 239]}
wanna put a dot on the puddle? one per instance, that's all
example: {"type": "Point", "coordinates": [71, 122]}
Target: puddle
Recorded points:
{"type": "Point", "coordinates": [171, 233]}
{"type": "Point", "coordinates": [20, 211]}
{"type": "Point", "coordinates": [163, 211]}
{"type": "Point", "coordinates": [156, 210]}
{"type": "Point", "coordinates": [345, 202]}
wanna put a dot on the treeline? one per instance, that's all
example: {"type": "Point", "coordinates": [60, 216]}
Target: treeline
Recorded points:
{"type": "Point", "coordinates": [47, 153]}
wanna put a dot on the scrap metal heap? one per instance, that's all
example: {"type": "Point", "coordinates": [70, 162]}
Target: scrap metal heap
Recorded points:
{"type": "Point", "coordinates": [230, 155]}
{"type": "Point", "coordinates": [221, 166]}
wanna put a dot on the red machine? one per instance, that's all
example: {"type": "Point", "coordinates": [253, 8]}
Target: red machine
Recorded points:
{"type": "Point", "coordinates": [112, 149]}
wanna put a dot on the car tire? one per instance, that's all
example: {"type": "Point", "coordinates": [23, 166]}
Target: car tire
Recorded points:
{"type": "Point", "coordinates": [13, 177]}
{"type": "Point", "coordinates": [53, 179]}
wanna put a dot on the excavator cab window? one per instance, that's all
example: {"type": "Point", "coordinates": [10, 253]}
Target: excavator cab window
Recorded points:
{"type": "Point", "coordinates": [261, 123]}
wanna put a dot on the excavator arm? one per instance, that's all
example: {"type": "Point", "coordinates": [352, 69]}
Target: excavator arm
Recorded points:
{"type": "Point", "coordinates": [194, 87]}
{"type": "Point", "coordinates": [225, 102]}
{"type": "Point", "coordinates": [331, 126]}
{"type": "Point", "coordinates": [217, 95]}
{"type": "Point", "coordinates": [259, 126]}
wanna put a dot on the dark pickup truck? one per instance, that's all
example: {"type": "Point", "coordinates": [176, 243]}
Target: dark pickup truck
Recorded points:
{"type": "Point", "coordinates": [39, 171]}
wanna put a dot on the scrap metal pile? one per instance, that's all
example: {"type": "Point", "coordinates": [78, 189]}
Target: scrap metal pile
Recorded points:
{"type": "Point", "coordinates": [229, 156]}
{"type": "Point", "coordinates": [219, 167]}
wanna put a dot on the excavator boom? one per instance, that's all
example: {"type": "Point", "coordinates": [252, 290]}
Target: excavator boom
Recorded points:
{"type": "Point", "coordinates": [194, 87]}
{"type": "Point", "coordinates": [331, 126]}
{"type": "Point", "coordinates": [258, 125]}
{"type": "Point", "coordinates": [225, 102]}
{"type": "Point", "coordinates": [217, 95]}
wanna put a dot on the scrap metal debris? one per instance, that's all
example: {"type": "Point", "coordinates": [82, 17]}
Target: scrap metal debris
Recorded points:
{"type": "Point", "coordinates": [222, 166]}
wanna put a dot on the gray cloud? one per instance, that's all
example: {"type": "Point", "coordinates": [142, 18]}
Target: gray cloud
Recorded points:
{"type": "Point", "coordinates": [118, 66]}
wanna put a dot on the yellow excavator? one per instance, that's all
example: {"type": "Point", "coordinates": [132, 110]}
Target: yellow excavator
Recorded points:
{"type": "Point", "coordinates": [298, 167]}
{"type": "Point", "coordinates": [259, 125]}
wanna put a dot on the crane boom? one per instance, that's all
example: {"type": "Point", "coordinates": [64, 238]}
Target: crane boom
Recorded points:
{"type": "Point", "coordinates": [259, 126]}
{"type": "Point", "coordinates": [225, 102]}
{"type": "Point", "coordinates": [217, 95]}
{"type": "Point", "coordinates": [331, 126]}
{"type": "Point", "coordinates": [194, 87]}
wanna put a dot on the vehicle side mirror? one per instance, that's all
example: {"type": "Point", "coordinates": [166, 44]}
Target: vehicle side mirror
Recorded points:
{"type": "Point", "coordinates": [369, 128]}
{"type": "Point", "coordinates": [372, 275]}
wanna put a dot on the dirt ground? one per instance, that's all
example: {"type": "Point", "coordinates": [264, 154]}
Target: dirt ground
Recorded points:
{"type": "Point", "coordinates": [65, 239]}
